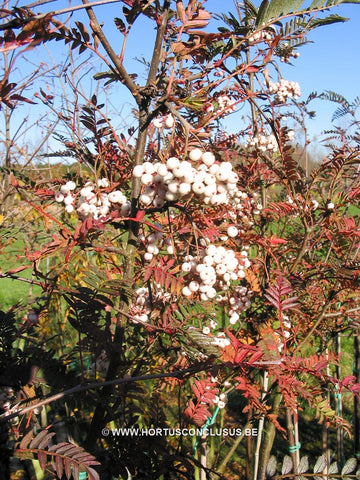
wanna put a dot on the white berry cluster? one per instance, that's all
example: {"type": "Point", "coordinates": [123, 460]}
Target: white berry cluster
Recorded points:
{"type": "Point", "coordinates": [315, 204]}
{"type": "Point", "coordinates": [242, 211]}
{"type": "Point", "coordinates": [284, 89]}
{"type": "Point", "coordinates": [220, 340]}
{"type": "Point", "coordinates": [260, 36]}
{"type": "Point", "coordinates": [101, 364]}
{"type": "Point", "coordinates": [264, 143]}
{"type": "Point", "coordinates": [220, 400]}
{"type": "Point", "coordinates": [6, 395]}
{"type": "Point", "coordinates": [65, 195]}
{"type": "Point", "coordinates": [286, 332]}
{"type": "Point", "coordinates": [287, 326]}
{"type": "Point", "coordinates": [290, 135]}
{"type": "Point", "coordinates": [213, 270]}
{"type": "Point", "coordinates": [212, 325]}
{"type": "Point", "coordinates": [239, 302]}
{"type": "Point", "coordinates": [304, 205]}
{"type": "Point", "coordinates": [222, 104]}
{"type": "Point", "coordinates": [286, 57]}
{"type": "Point", "coordinates": [91, 202]}
{"type": "Point", "coordinates": [141, 308]}
{"type": "Point", "coordinates": [212, 183]}
{"type": "Point", "coordinates": [226, 104]}
{"type": "Point", "coordinates": [154, 242]}
{"type": "Point", "coordinates": [167, 121]}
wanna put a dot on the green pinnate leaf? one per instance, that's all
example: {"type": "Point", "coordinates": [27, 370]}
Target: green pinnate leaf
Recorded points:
{"type": "Point", "coordinates": [319, 22]}
{"type": "Point", "coordinates": [262, 13]}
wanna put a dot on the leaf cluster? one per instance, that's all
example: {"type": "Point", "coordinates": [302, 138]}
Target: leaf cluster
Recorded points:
{"type": "Point", "coordinates": [320, 467]}
{"type": "Point", "coordinates": [65, 458]}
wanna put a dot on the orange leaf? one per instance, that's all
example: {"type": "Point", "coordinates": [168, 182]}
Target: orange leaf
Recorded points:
{"type": "Point", "coordinates": [253, 280]}
{"type": "Point", "coordinates": [274, 240]}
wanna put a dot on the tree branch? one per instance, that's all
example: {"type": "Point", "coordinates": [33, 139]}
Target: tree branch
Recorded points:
{"type": "Point", "coordinates": [94, 386]}
{"type": "Point", "coordinates": [124, 76]}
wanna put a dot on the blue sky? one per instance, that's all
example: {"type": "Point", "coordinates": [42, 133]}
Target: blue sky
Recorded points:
{"type": "Point", "coordinates": [332, 62]}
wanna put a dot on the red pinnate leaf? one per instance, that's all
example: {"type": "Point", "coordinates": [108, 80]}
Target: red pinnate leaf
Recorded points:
{"type": "Point", "coordinates": [59, 466]}
{"type": "Point", "coordinates": [93, 475]}
{"type": "Point", "coordinates": [26, 440]}
{"type": "Point", "coordinates": [67, 465]}
{"type": "Point", "coordinates": [42, 459]}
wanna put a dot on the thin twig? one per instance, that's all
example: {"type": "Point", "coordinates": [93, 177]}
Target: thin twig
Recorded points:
{"type": "Point", "coordinates": [94, 386]}
{"type": "Point", "coordinates": [233, 448]}
{"type": "Point", "coordinates": [57, 12]}
{"type": "Point", "coordinates": [123, 74]}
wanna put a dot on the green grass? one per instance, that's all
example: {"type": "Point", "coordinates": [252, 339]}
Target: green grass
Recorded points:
{"type": "Point", "coordinates": [13, 291]}
{"type": "Point", "coordinates": [353, 211]}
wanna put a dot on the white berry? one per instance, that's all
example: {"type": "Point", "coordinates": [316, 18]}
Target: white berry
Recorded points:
{"type": "Point", "coordinates": [195, 154]}
{"type": "Point", "coordinates": [232, 231]}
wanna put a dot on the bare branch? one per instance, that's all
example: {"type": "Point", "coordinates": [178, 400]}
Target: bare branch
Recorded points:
{"type": "Point", "coordinates": [94, 386]}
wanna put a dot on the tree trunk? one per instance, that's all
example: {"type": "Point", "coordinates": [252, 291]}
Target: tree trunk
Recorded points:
{"type": "Point", "coordinates": [356, 400]}
{"type": "Point", "coordinates": [269, 437]}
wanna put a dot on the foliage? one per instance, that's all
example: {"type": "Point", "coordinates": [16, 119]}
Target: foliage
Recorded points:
{"type": "Point", "coordinates": [68, 458]}
{"type": "Point", "coordinates": [321, 466]}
